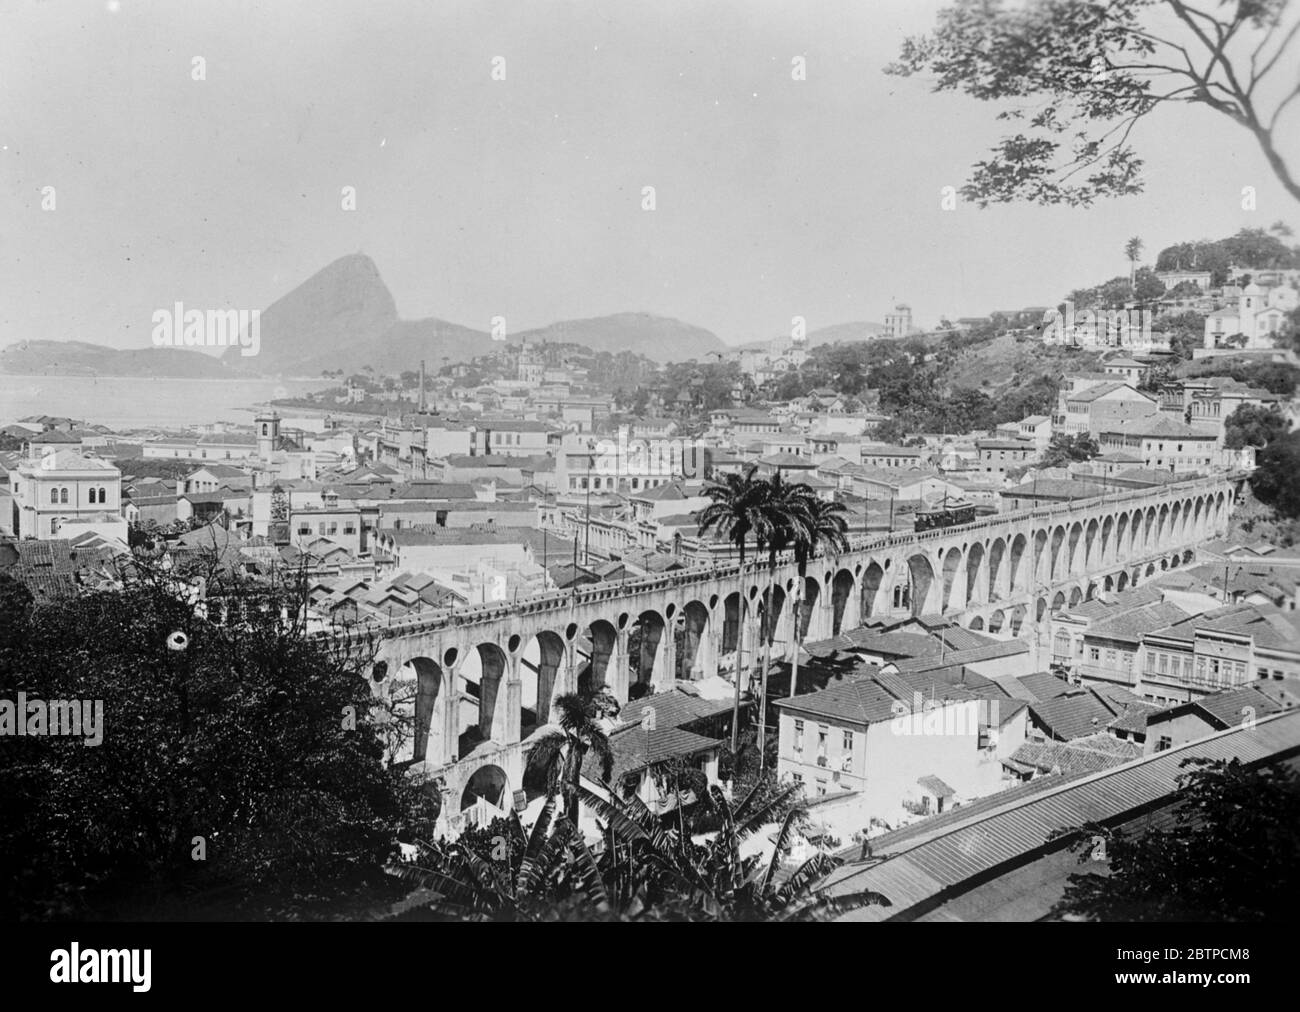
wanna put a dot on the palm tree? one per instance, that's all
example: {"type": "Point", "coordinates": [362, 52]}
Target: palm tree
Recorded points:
{"type": "Point", "coordinates": [1133, 250]}
{"type": "Point", "coordinates": [736, 511]}
{"type": "Point", "coordinates": [826, 529]}
{"type": "Point", "coordinates": [558, 754]}
{"type": "Point", "coordinates": [666, 874]}
{"type": "Point", "coordinates": [790, 510]}
{"type": "Point", "coordinates": [546, 871]}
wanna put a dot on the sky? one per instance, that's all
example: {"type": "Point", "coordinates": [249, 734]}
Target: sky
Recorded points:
{"type": "Point", "coordinates": [523, 197]}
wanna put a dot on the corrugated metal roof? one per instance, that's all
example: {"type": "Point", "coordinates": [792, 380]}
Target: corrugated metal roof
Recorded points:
{"type": "Point", "coordinates": [1006, 835]}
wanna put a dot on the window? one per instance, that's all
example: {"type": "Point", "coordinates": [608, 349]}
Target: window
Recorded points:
{"type": "Point", "coordinates": [848, 741]}
{"type": "Point", "coordinates": [103, 495]}
{"type": "Point", "coordinates": [821, 788]}
{"type": "Point", "coordinates": [1164, 663]}
{"type": "Point", "coordinates": [93, 494]}
{"type": "Point", "coordinates": [1094, 653]}
{"type": "Point", "coordinates": [349, 528]}
{"type": "Point", "coordinates": [63, 495]}
{"type": "Point", "coordinates": [797, 777]}
{"type": "Point", "coordinates": [1164, 744]}
{"type": "Point", "coordinates": [798, 735]}
{"type": "Point", "coordinates": [1261, 672]}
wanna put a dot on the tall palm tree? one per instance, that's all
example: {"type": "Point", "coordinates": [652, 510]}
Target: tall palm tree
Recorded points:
{"type": "Point", "coordinates": [1133, 250]}
{"type": "Point", "coordinates": [558, 754]}
{"type": "Point", "coordinates": [738, 510]}
{"type": "Point", "coordinates": [790, 514]}
{"type": "Point", "coordinates": [827, 529]}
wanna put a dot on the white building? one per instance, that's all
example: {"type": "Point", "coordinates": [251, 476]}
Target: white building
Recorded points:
{"type": "Point", "coordinates": [52, 487]}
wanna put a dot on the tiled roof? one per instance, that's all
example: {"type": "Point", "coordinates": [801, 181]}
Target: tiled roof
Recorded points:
{"type": "Point", "coordinates": [990, 651]}
{"type": "Point", "coordinates": [936, 786]}
{"type": "Point", "coordinates": [1074, 715]}
{"type": "Point", "coordinates": [1130, 626]}
{"type": "Point", "coordinates": [860, 701]}
{"type": "Point", "coordinates": [634, 749]}
{"type": "Point", "coordinates": [1226, 707]}
{"type": "Point", "coordinates": [1157, 425]}
{"type": "Point", "coordinates": [674, 708]}
{"type": "Point", "coordinates": [1082, 755]}
{"type": "Point", "coordinates": [1045, 685]}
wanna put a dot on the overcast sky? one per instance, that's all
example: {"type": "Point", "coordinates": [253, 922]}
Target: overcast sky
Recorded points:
{"type": "Point", "coordinates": [522, 198]}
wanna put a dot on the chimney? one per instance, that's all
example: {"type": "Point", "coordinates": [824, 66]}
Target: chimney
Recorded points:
{"type": "Point", "coordinates": [421, 406]}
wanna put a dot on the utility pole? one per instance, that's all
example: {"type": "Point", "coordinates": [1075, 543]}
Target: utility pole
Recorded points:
{"type": "Point", "coordinates": [586, 548]}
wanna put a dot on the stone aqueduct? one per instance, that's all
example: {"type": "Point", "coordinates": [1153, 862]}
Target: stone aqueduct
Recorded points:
{"type": "Point", "coordinates": [999, 575]}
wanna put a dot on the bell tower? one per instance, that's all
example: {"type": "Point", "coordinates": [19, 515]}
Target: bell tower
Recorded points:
{"type": "Point", "coordinates": [268, 434]}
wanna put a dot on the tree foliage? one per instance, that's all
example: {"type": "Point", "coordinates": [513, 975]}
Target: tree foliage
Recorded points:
{"type": "Point", "coordinates": [1230, 856]}
{"type": "Point", "coordinates": [1065, 450]}
{"type": "Point", "coordinates": [1254, 425]}
{"type": "Point", "coordinates": [228, 769]}
{"type": "Point", "coordinates": [1276, 478]}
{"type": "Point", "coordinates": [651, 868]}
{"type": "Point", "coordinates": [1074, 78]}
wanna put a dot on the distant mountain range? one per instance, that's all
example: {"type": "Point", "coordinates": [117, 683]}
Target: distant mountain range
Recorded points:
{"type": "Point", "coordinates": [344, 317]}
{"type": "Point", "coordinates": [79, 358]}
{"type": "Point", "coordinates": [860, 330]}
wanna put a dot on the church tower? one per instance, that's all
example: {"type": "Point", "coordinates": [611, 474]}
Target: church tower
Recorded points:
{"type": "Point", "coordinates": [268, 434]}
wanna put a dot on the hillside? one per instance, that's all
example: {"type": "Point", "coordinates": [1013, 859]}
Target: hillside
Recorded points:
{"type": "Point", "coordinates": [1003, 361]}
{"type": "Point", "coordinates": [658, 337]}
{"type": "Point", "coordinates": [79, 358]}
{"type": "Point", "coordinates": [859, 330]}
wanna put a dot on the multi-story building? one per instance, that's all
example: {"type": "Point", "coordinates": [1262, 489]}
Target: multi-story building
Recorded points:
{"type": "Point", "coordinates": [898, 324]}
{"type": "Point", "coordinates": [1164, 444]}
{"type": "Point", "coordinates": [883, 455]}
{"type": "Point", "coordinates": [1089, 403]}
{"type": "Point", "coordinates": [896, 747]}
{"type": "Point", "coordinates": [997, 455]}
{"type": "Point", "coordinates": [1226, 648]}
{"type": "Point", "coordinates": [52, 487]}
{"type": "Point", "coordinates": [1253, 323]}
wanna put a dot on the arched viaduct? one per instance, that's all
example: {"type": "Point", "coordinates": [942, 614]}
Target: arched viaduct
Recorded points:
{"type": "Point", "coordinates": [484, 676]}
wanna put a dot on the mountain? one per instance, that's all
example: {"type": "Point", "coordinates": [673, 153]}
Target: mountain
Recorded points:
{"type": "Point", "coordinates": [337, 318]}
{"type": "Point", "coordinates": [657, 337]}
{"type": "Point", "coordinates": [78, 358]}
{"type": "Point", "coordinates": [344, 317]}
{"type": "Point", "coordinates": [860, 330]}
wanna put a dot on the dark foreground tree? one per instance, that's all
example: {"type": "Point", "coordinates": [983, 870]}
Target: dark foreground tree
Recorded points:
{"type": "Point", "coordinates": [1084, 74]}
{"type": "Point", "coordinates": [1254, 425]}
{"type": "Point", "coordinates": [1276, 479]}
{"type": "Point", "coordinates": [238, 776]}
{"type": "Point", "coordinates": [1233, 853]}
